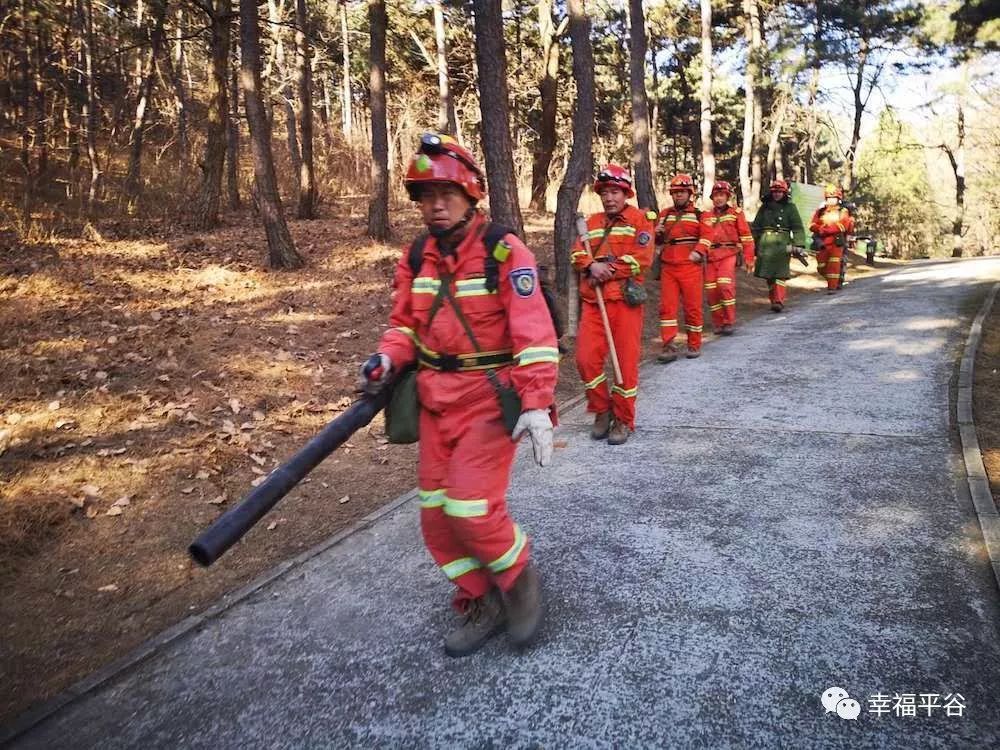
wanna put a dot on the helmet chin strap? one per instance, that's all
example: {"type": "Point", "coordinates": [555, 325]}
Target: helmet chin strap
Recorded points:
{"type": "Point", "coordinates": [443, 235]}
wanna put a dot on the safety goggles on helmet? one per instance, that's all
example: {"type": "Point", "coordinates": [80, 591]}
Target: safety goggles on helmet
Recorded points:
{"type": "Point", "coordinates": [605, 176]}
{"type": "Point", "coordinates": [433, 144]}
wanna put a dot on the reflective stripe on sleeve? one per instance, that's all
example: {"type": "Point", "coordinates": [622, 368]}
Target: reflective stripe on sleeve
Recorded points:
{"type": "Point", "coordinates": [535, 354]}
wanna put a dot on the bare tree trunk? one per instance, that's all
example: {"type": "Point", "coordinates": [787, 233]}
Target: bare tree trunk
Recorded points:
{"type": "Point", "coordinates": [276, 18]}
{"type": "Point", "coordinates": [303, 85]}
{"type": "Point", "coordinates": [580, 165]}
{"type": "Point", "coordinates": [654, 120]}
{"type": "Point", "coordinates": [752, 115]}
{"type": "Point", "coordinates": [133, 182]}
{"type": "Point", "coordinates": [346, 84]}
{"type": "Point", "coordinates": [447, 123]}
{"type": "Point", "coordinates": [233, 136]}
{"type": "Point", "coordinates": [494, 104]}
{"type": "Point", "coordinates": [205, 213]}
{"type": "Point", "coordinates": [281, 249]}
{"type": "Point", "coordinates": [27, 195]}
{"type": "Point", "coordinates": [812, 122]}
{"type": "Point", "coordinates": [180, 103]}
{"type": "Point", "coordinates": [38, 90]}
{"type": "Point", "coordinates": [859, 108]}
{"type": "Point", "coordinates": [378, 207]}
{"type": "Point", "coordinates": [645, 194]}
{"type": "Point", "coordinates": [775, 168]}
{"type": "Point", "coordinates": [957, 159]}
{"type": "Point", "coordinates": [548, 89]}
{"type": "Point", "coordinates": [89, 115]}
{"type": "Point", "coordinates": [707, 148]}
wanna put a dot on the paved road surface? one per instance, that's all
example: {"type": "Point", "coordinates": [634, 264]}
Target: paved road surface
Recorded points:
{"type": "Point", "coordinates": [786, 519]}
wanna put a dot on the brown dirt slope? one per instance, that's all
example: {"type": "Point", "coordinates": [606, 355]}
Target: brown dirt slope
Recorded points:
{"type": "Point", "coordinates": [148, 382]}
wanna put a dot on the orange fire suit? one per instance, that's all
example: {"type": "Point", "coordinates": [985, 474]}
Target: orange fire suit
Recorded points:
{"type": "Point", "coordinates": [832, 224]}
{"type": "Point", "coordinates": [723, 233]}
{"type": "Point", "coordinates": [625, 241]}
{"type": "Point", "coordinates": [465, 451]}
{"type": "Point", "coordinates": [678, 232]}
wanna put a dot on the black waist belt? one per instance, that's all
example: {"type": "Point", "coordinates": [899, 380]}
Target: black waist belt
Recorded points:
{"type": "Point", "coordinates": [458, 363]}
{"type": "Point", "coordinates": [724, 244]}
{"type": "Point", "coordinates": [684, 241]}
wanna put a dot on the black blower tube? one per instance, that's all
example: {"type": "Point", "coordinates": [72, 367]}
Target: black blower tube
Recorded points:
{"type": "Point", "coordinates": [230, 527]}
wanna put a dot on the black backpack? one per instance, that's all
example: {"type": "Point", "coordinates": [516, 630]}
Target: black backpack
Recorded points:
{"type": "Point", "coordinates": [491, 266]}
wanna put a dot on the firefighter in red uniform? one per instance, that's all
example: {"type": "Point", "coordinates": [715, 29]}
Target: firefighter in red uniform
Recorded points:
{"type": "Point", "coordinates": [677, 234]}
{"type": "Point", "coordinates": [463, 335]}
{"type": "Point", "coordinates": [724, 233]}
{"type": "Point", "coordinates": [621, 239]}
{"type": "Point", "coordinates": [831, 223]}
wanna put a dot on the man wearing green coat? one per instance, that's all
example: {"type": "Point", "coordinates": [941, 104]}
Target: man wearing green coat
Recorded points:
{"type": "Point", "coordinates": [778, 234]}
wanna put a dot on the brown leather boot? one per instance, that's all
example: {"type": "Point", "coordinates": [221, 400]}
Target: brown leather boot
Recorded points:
{"type": "Point", "coordinates": [727, 329]}
{"type": "Point", "coordinates": [602, 423]}
{"type": "Point", "coordinates": [484, 618]}
{"type": "Point", "coordinates": [524, 607]}
{"type": "Point", "coordinates": [693, 353]}
{"type": "Point", "coordinates": [669, 354]}
{"type": "Point", "coordinates": [619, 433]}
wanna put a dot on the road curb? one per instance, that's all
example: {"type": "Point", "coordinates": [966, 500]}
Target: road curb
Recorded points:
{"type": "Point", "coordinates": [975, 471]}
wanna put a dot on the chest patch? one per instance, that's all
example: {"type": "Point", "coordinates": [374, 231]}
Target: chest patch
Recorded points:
{"type": "Point", "coordinates": [523, 281]}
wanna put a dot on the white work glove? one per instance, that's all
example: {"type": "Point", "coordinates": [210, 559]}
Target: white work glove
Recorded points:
{"type": "Point", "coordinates": [372, 385]}
{"type": "Point", "coordinates": [538, 425]}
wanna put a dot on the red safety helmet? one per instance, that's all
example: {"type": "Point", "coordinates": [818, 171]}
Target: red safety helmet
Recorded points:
{"type": "Point", "coordinates": [440, 158]}
{"type": "Point", "coordinates": [722, 186]}
{"type": "Point", "coordinates": [615, 175]}
{"type": "Point", "coordinates": [682, 182]}
{"type": "Point", "coordinates": [833, 191]}
{"type": "Point", "coordinates": [779, 185]}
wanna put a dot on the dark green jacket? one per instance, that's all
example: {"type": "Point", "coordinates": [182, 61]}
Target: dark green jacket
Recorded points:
{"type": "Point", "coordinates": [780, 215]}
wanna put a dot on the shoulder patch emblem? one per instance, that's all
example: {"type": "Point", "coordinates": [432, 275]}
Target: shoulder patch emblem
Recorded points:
{"type": "Point", "coordinates": [651, 215]}
{"type": "Point", "coordinates": [643, 238]}
{"type": "Point", "coordinates": [523, 281]}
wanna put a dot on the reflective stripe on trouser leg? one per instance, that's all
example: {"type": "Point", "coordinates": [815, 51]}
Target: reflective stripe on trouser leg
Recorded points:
{"type": "Point", "coordinates": [670, 292]}
{"type": "Point", "coordinates": [626, 327]}
{"type": "Point", "coordinates": [465, 459]}
{"type": "Point", "coordinates": [832, 270]}
{"type": "Point", "coordinates": [451, 556]}
{"type": "Point", "coordinates": [690, 277]}
{"type": "Point", "coordinates": [726, 280]}
{"type": "Point", "coordinates": [475, 506]}
{"type": "Point", "coordinates": [591, 351]}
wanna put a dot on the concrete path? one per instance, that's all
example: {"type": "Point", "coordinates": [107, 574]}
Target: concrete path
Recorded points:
{"type": "Point", "coordinates": [787, 519]}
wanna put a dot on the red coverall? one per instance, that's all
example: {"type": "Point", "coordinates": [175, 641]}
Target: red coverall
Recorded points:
{"type": "Point", "coordinates": [629, 247]}
{"type": "Point", "coordinates": [678, 232]}
{"type": "Point", "coordinates": [723, 232]}
{"type": "Point", "coordinates": [465, 451]}
{"type": "Point", "coordinates": [829, 222]}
